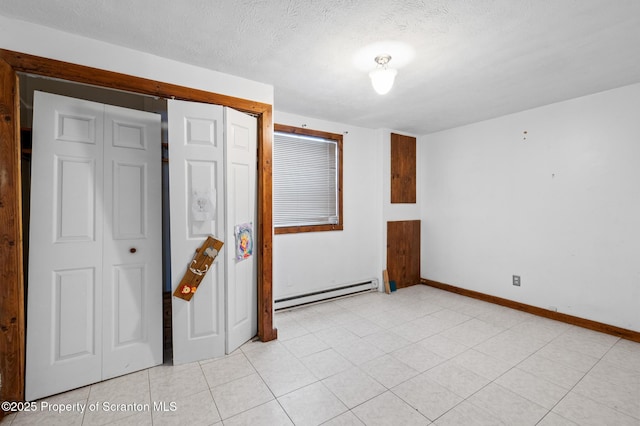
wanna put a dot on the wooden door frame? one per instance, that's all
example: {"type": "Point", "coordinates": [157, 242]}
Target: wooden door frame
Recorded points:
{"type": "Point", "coordinates": [12, 313]}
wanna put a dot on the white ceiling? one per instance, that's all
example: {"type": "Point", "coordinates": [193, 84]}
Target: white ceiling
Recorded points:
{"type": "Point", "coordinates": [459, 61]}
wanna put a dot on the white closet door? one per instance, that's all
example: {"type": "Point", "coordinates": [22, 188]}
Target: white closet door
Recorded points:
{"type": "Point", "coordinates": [196, 164]}
{"type": "Point", "coordinates": [242, 288]}
{"type": "Point", "coordinates": [70, 235]}
{"type": "Point", "coordinates": [132, 285]}
{"type": "Point", "coordinates": [64, 302]}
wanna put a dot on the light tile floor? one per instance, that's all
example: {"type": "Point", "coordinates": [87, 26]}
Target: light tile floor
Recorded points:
{"type": "Point", "coordinates": [419, 356]}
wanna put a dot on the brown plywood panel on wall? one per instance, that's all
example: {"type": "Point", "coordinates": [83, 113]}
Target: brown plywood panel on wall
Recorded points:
{"type": "Point", "coordinates": [403, 169]}
{"type": "Point", "coordinates": [403, 252]}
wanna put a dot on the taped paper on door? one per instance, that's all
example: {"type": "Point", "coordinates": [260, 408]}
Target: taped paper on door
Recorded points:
{"type": "Point", "coordinates": [244, 240]}
{"type": "Point", "coordinates": [203, 205]}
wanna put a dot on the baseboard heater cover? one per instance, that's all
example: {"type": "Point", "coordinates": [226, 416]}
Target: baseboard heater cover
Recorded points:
{"type": "Point", "coordinates": [325, 295]}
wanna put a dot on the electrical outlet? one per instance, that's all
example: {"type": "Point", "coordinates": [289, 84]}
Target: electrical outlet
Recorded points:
{"type": "Point", "coordinates": [516, 280]}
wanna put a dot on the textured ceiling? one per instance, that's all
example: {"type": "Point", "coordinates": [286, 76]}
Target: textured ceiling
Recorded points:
{"type": "Point", "coordinates": [459, 61]}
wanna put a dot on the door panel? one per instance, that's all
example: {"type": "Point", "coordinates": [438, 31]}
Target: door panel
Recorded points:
{"type": "Point", "coordinates": [204, 321]}
{"type": "Point", "coordinates": [95, 292]}
{"type": "Point", "coordinates": [75, 199]}
{"type": "Point", "coordinates": [129, 135]}
{"type": "Point", "coordinates": [196, 193]}
{"type": "Point", "coordinates": [202, 179]}
{"type": "Point", "coordinates": [64, 304]}
{"type": "Point", "coordinates": [129, 201]}
{"type": "Point", "coordinates": [242, 296]}
{"type": "Point", "coordinates": [129, 298]}
{"type": "Point", "coordinates": [74, 295]}
{"type": "Point", "coordinates": [132, 280]}
{"type": "Point", "coordinates": [77, 127]}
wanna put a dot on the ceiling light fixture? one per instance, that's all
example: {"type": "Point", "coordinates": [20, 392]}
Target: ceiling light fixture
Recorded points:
{"type": "Point", "coordinates": [382, 77]}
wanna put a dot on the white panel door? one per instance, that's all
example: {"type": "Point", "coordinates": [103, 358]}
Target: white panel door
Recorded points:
{"type": "Point", "coordinates": [64, 302]}
{"type": "Point", "coordinates": [196, 157]}
{"type": "Point", "coordinates": [69, 287]}
{"type": "Point", "coordinates": [132, 269]}
{"type": "Point", "coordinates": [242, 288]}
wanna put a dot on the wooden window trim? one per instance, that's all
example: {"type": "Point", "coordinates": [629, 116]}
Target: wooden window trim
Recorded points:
{"type": "Point", "coordinates": [12, 314]}
{"type": "Point", "coordinates": [326, 135]}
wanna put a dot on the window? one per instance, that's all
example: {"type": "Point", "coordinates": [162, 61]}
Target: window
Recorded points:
{"type": "Point", "coordinates": [307, 180]}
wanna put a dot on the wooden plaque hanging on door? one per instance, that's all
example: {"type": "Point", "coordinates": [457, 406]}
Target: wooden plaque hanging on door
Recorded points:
{"type": "Point", "coordinates": [199, 266]}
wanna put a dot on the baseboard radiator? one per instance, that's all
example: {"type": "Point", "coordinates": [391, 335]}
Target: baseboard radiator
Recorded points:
{"type": "Point", "coordinates": [325, 295]}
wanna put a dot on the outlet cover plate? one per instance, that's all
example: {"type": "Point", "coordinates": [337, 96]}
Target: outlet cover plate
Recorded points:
{"type": "Point", "coordinates": [516, 280]}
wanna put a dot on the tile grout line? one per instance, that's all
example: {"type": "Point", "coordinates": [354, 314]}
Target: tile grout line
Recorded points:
{"type": "Point", "coordinates": [589, 398]}
{"type": "Point", "coordinates": [269, 387]}
{"type": "Point", "coordinates": [209, 388]}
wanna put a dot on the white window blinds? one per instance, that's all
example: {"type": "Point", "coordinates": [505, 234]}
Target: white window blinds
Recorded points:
{"type": "Point", "coordinates": [305, 180]}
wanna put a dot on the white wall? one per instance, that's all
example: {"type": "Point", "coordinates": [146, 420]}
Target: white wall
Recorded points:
{"type": "Point", "coordinates": [558, 205]}
{"type": "Point", "coordinates": [36, 40]}
{"type": "Point", "coordinates": [313, 261]}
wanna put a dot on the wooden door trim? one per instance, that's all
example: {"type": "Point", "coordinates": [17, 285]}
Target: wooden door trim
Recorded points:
{"type": "Point", "coordinates": [12, 325]}
{"type": "Point", "coordinates": [12, 321]}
